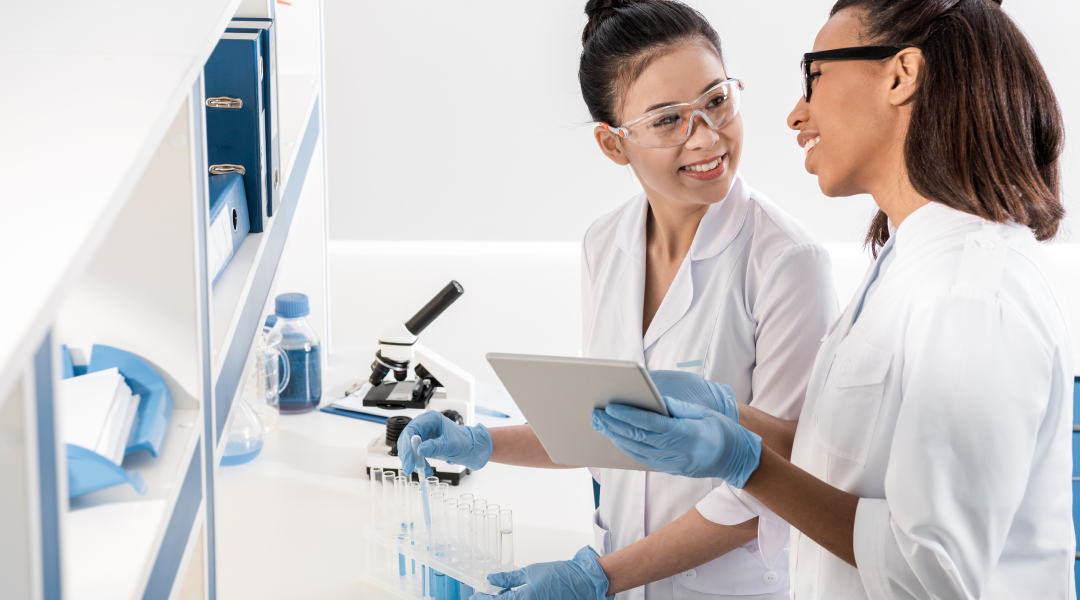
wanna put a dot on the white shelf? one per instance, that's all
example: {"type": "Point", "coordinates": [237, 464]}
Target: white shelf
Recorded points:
{"type": "Point", "coordinates": [104, 140]}
{"type": "Point", "coordinates": [113, 535]}
{"type": "Point", "coordinates": [117, 174]}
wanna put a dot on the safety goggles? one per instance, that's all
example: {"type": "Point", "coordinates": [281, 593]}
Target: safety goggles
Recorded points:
{"type": "Point", "coordinates": [856, 53]}
{"type": "Point", "coordinates": [672, 125]}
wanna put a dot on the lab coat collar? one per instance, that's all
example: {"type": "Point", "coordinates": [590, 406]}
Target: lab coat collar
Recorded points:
{"type": "Point", "coordinates": [927, 225]}
{"type": "Point", "coordinates": [718, 227]}
{"type": "Point", "coordinates": [629, 303]}
{"type": "Point", "coordinates": [722, 222]}
{"type": "Point", "coordinates": [676, 302]}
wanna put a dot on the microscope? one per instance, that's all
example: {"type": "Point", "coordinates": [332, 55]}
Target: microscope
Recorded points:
{"type": "Point", "coordinates": [437, 385]}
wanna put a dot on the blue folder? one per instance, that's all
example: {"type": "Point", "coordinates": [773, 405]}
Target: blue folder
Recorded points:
{"type": "Point", "coordinates": [268, 42]}
{"type": "Point", "coordinates": [235, 136]}
{"type": "Point", "coordinates": [229, 222]}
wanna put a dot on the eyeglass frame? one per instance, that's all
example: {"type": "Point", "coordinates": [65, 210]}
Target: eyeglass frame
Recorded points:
{"type": "Point", "coordinates": [623, 130]}
{"type": "Point", "coordinates": [853, 53]}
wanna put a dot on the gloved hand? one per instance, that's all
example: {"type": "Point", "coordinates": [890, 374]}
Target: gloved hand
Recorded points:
{"type": "Point", "coordinates": [693, 442]}
{"type": "Point", "coordinates": [695, 389]}
{"type": "Point", "coordinates": [580, 578]}
{"type": "Point", "coordinates": [445, 440]}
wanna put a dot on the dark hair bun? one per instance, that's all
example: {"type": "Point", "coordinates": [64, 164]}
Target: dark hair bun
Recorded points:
{"type": "Point", "coordinates": [598, 11]}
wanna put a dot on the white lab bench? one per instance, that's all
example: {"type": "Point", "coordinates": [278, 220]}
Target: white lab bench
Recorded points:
{"type": "Point", "coordinates": [289, 522]}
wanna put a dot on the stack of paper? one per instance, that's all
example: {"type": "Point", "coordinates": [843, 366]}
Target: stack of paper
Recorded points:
{"type": "Point", "coordinates": [96, 411]}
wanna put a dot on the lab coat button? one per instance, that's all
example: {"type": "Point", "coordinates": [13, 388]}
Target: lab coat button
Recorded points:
{"type": "Point", "coordinates": [987, 244]}
{"type": "Point", "coordinates": [770, 578]}
{"type": "Point", "coordinates": [689, 575]}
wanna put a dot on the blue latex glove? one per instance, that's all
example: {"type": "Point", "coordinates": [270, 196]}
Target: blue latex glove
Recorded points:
{"type": "Point", "coordinates": [693, 442]}
{"type": "Point", "coordinates": [695, 389]}
{"type": "Point", "coordinates": [445, 440]}
{"type": "Point", "coordinates": [580, 579]}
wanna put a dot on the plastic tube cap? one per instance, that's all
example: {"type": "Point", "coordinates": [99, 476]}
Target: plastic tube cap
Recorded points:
{"type": "Point", "coordinates": [291, 306]}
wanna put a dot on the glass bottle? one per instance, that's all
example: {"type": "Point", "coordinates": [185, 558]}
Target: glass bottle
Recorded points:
{"type": "Point", "coordinates": [303, 351]}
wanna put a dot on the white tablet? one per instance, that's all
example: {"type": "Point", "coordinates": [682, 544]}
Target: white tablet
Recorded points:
{"type": "Point", "coordinates": [558, 394]}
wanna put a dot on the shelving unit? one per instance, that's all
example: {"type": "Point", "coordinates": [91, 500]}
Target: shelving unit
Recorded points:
{"type": "Point", "coordinates": [109, 169]}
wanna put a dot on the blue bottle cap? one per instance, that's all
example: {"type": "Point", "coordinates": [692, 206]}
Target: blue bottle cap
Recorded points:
{"type": "Point", "coordinates": [291, 306]}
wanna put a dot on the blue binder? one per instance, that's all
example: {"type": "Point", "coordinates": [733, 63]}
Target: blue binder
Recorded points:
{"type": "Point", "coordinates": [229, 222]}
{"type": "Point", "coordinates": [268, 40]}
{"type": "Point", "coordinates": [235, 131]}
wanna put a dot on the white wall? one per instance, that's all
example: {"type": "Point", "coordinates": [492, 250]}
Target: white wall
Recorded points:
{"type": "Point", "coordinates": [464, 120]}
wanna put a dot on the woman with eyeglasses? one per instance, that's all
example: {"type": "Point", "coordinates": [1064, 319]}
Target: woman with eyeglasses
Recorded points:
{"type": "Point", "coordinates": [932, 458]}
{"type": "Point", "coordinates": [701, 275]}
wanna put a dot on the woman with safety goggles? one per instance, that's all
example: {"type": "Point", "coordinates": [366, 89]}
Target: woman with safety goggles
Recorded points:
{"type": "Point", "coordinates": [699, 274]}
{"type": "Point", "coordinates": [932, 457]}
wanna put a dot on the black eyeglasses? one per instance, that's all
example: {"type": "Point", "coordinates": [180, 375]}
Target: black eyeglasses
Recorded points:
{"type": "Point", "coordinates": [857, 53]}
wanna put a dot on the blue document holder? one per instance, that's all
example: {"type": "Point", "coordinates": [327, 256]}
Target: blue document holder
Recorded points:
{"type": "Point", "coordinates": [268, 41]}
{"type": "Point", "coordinates": [236, 131]}
{"type": "Point", "coordinates": [89, 471]}
{"type": "Point", "coordinates": [229, 223]}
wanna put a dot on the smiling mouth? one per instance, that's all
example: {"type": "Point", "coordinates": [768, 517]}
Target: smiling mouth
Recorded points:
{"type": "Point", "coordinates": [703, 168]}
{"type": "Point", "coordinates": [810, 144]}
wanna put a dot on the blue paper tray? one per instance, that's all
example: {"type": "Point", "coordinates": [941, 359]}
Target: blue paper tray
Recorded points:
{"type": "Point", "coordinates": [89, 471]}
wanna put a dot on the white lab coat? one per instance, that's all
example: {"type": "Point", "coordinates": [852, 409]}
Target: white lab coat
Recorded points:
{"type": "Point", "coordinates": [945, 407]}
{"type": "Point", "coordinates": [747, 308]}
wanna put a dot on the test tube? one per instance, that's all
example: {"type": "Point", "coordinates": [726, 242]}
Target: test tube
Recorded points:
{"type": "Point", "coordinates": [375, 488]}
{"type": "Point", "coordinates": [437, 538]}
{"type": "Point", "coordinates": [465, 499]}
{"type": "Point", "coordinates": [440, 586]}
{"type": "Point", "coordinates": [506, 539]}
{"type": "Point", "coordinates": [464, 540]}
{"type": "Point", "coordinates": [477, 503]}
{"type": "Point", "coordinates": [417, 535]}
{"type": "Point", "coordinates": [401, 484]}
{"type": "Point", "coordinates": [416, 516]}
{"type": "Point", "coordinates": [449, 528]}
{"type": "Point", "coordinates": [493, 508]}
{"type": "Point", "coordinates": [478, 552]}
{"type": "Point", "coordinates": [432, 484]}
{"type": "Point", "coordinates": [491, 542]}
{"type": "Point", "coordinates": [401, 518]}
{"type": "Point", "coordinates": [388, 499]}
{"type": "Point", "coordinates": [376, 553]}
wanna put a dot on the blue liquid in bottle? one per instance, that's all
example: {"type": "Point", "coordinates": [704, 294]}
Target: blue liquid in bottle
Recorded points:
{"type": "Point", "coordinates": [304, 353]}
{"type": "Point", "coordinates": [305, 379]}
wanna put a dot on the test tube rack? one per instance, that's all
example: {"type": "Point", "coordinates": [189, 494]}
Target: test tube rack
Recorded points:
{"type": "Point", "coordinates": [408, 570]}
{"type": "Point", "coordinates": [434, 547]}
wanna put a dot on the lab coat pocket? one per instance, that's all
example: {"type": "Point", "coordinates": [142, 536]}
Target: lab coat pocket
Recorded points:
{"type": "Point", "coordinates": [601, 537]}
{"type": "Point", "coordinates": [847, 412]}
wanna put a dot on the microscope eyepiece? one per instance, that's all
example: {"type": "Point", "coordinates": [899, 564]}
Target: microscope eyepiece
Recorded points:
{"type": "Point", "coordinates": [435, 307]}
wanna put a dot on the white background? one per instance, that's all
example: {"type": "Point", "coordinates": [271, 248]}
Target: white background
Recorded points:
{"type": "Point", "coordinates": [464, 120]}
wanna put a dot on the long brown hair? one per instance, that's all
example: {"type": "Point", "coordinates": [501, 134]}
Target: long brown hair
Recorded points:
{"type": "Point", "coordinates": [986, 132]}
